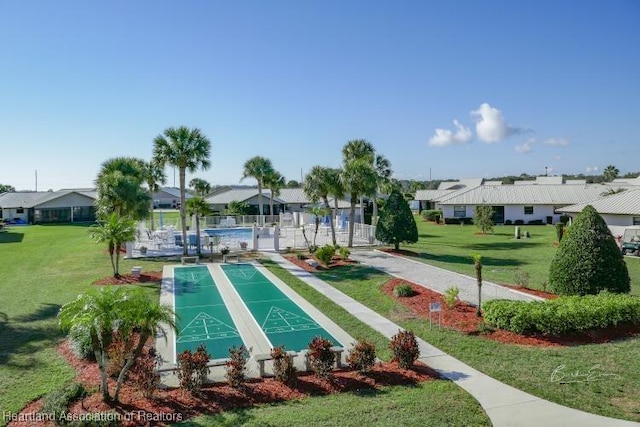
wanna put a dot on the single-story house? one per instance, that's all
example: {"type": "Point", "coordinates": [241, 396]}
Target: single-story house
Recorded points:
{"type": "Point", "coordinates": [620, 209]}
{"type": "Point", "coordinates": [220, 201]}
{"type": "Point", "coordinates": [535, 203]}
{"type": "Point", "coordinates": [168, 198]}
{"type": "Point", "coordinates": [43, 207]}
{"type": "Point", "coordinates": [427, 198]}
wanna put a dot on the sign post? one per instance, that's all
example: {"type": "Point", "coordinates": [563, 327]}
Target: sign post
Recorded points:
{"type": "Point", "coordinates": [435, 307]}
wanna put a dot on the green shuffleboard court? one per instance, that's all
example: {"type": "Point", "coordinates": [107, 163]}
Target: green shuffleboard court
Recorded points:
{"type": "Point", "coordinates": [282, 320]}
{"type": "Point", "coordinates": [202, 316]}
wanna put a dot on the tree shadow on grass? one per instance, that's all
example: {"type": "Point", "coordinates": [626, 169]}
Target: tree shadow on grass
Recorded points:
{"type": "Point", "coordinates": [26, 335]}
{"type": "Point", "coordinates": [352, 272]}
{"type": "Point", "coordinates": [11, 237]}
{"type": "Point", "coordinates": [503, 246]}
{"type": "Point", "coordinates": [468, 260]}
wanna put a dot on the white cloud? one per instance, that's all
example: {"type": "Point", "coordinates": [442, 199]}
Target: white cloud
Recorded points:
{"type": "Point", "coordinates": [593, 169]}
{"type": "Point", "coordinates": [444, 137]}
{"type": "Point", "coordinates": [523, 148]}
{"type": "Point", "coordinates": [557, 157]}
{"type": "Point", "coordinates": [491, 126]}
{"type": "Point", "coordinates": [557, 142]}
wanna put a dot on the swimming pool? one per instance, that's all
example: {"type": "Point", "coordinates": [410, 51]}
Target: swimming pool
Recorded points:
{"type": "Point", "coordinates": [240, 233]}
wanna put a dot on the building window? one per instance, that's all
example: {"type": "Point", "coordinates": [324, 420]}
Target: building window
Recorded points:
{"type": "Point", "coordinates": [636, 220]}
{"type": "Point", "coordinates": [459, 211]}
{"type": "Point", "coordinates": [20, 210]}
{"type": "Point", "coordinates": [528, 210]}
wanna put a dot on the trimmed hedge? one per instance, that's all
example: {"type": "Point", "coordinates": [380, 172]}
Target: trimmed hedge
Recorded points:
{"type": "Point", "coordinates": [431, 214]}
{"type": "Point", "coordinates": [563, 315]}
{"type": "Point", "coordinates": [468, 221]}
{"type": "Point", "coordinates": [536, 222]}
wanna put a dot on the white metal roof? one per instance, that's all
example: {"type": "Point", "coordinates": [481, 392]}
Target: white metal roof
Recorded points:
{"type": "Point", "coordinates": [624, 203]}
{"type": "Point", "coordinates": [467, 182]}
{"type": "Point", "coordinates": [293, 195]}
{"type": "Point", "coordinates": [30, 199]}
{"type": "Point", "coordinates": [238, 195]}
{"type": "Point", "coordinates": [534, 194]}
{"type": "Point", "coordinates": [431, 195]}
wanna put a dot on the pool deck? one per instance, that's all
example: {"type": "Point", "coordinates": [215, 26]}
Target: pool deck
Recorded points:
{"type": "Point", "coordinates": [249, 329]}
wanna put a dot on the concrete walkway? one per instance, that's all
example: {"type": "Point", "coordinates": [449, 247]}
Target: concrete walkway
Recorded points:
{"type": "Point", "coordinates": [506, 406]}
{"type": "Point", "coordinates": [435, 278]}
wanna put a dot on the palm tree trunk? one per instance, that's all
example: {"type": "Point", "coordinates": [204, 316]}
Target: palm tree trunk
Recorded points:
{"type": "Point", "coordinates": [113, 264]}
{"type": "Point", "coordinates": [183, 214]}
{"type": "Point", "coordinates": [260, 202]}
{"type": "Point", "coordinates": [101, 358]}
{"type": "Point", "coordinates": [271, 205]}
{"type": "Point", "coordinates": [333, 226]}
{"type": "Point", "coordinates": [374, 220]}
{"type": "Point", "coordinates": [361, 210]}
{"type": "Point", "coordinates": [153, 222]}
{"type": "Point", "coordinates": [352, 219]}
{"type": "Point", "coordinates": [198, 250]}
{"type": "Point", "coordinates": [130, 362]}
{"type": "Point", "coordinates": [117, 270]}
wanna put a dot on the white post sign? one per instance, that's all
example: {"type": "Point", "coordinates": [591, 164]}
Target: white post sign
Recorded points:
{"type": "Point", "coordinates": [435, 307]}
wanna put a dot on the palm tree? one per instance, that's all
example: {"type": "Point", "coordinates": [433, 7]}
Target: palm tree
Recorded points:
{"type": "Point", "coordinates": [154, 176]}
{"type": "Point", "coordinates": [259, 168]}
{"type": "Point", "coordinates": [383, 174]}
{"type": "Point", "coordinates": [116, 311]}
{"type": "Point", "coordinates": [610, 173]}
{"type": "Point", "coordinates": [199, 207]}
{"type": "Point", "coordinates": [114, 231]}
{"type": "Point", "coordinates": [274, 181]}
{"type": "Point", "coordinates": [477, 261]}
{"type": "Point", "coordinates": [318, 212]}
{"type": "Point", "coordinates": [120, 190]}
{"type": "Point", "coordinates": [200, 186]}
{"type": "Point", "coordinates": [186, 149]}
{"type": "Point", "coordinates": [318, 186]}
{"type": "Point", "coordinates": [358, 176]}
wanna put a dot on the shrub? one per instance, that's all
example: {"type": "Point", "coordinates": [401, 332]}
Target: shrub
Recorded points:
{"type": "Point", "coordinates": [313, 248]}
{"type": "Point", "coordinates": [57, 401]}
{"type": "Point", "coordinates": [192, 369]}
{"type": "Point", "coordinates": [344, 253]}
{"type": "Point", "coordinates": [518, 222]}
{"type": "Point", "coordinates": [283, 369]}
{"type": "Point", "coordinates": [404, 347]}
{"type": "Point", "coordinates": [301, 256]}
{"type": "Point", "coordinates": [432, 214]}
{"type": "Point", "coordinates": [325, 254]}
{"type": "Point", "coordinates": [483, 218]}
{"type": "Point", "coordinates": [403, 290]}
{"type": "Point", "coordinates": [451, 296]}
{"type": "Point", "coordinates": [396, 223]}
{"type": "Point", "coordinates": [508, 222]}
{"type": "Point", "coordinates": [588, 260]}
{"type": "Point", "coordinates": [559, 231]}
{"type": "Point", "coordinates": [236, 366]}
{"type": "Point", "coordinates": [320, 357]}
{"type": "Point", "coordinates": [563, 315]}
{"type": "Point", "coordinates": [144, 373]}
{"type": "Point", "coordinates": [521, 278]}
{"type": "Point", "coordinates": [536, 222]}
{"type": "Point", "coordinates": [80, 343]}
{"type": "Point", "coordinates": [362, 356]}
{"type": "Point", "coordinates": [564, 219]}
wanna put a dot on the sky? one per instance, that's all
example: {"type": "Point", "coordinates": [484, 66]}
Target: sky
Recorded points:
{"type": "Point", "coordinates": [443, 89]}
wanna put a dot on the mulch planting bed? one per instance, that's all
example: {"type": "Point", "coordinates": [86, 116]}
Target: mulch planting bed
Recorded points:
{"type": "Point", "coordinates": [129, 279]}
{"type": "Point", "coordinates": [462, 317]}
{"type": "Point", "coordinates": [336, 262]}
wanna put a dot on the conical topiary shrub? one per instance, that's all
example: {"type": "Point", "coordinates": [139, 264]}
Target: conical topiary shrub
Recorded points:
{"type": "Point", "coordinates": [396, 224]}
{"type": "Point", "coordinates": [588, 259]}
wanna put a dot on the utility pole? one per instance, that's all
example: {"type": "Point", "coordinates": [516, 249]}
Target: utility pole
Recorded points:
{"type": "Point", "coordinates": [546, 173]}
{"type": "Point", "coordinates": [36, 180]}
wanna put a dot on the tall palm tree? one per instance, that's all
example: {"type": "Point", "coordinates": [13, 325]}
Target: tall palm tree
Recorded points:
{"type": "Point", "coordinates": [336, 188]}
{"type": "Point", "coordinates": [610, 173]}
{"type": "Point", "coordinates": [317, 186]}
{"type": "Point", "coordinates": [199, 207]}
{"type": "Point", "coordinates": [120, 190]}
{"type": "Point", "coordinates": [258, 168]}
{"type": "Point", "coordinates": [275, 182]}
{"type": "Point", "coordinates": [383, 177]}
{"type": "Point", "coordinates": [200, 186]}
{"type": "Point", "coordinates": [186, 149]}
{"type": "Point", "coordinates": [358, 176]}
{"type": "Point", "coordinates": [154, 176]}
{"type": "Point", "coordinates": [114, 231]}
{"type": "Point", "coordinates": [108, 312]}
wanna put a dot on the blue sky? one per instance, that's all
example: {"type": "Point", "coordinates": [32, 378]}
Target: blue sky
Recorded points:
{"type": "Point", "coordinates": [529, 84]}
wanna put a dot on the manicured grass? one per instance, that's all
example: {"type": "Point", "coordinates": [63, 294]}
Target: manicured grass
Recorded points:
{"type": "Point", "coordinates": [433, 403]}
{"type": "Point", "coordinates": [527, 368]}
{"type": "Point", "coordinates": [43, 267]}
{"type": "Point", "coordinates": [452, 246]}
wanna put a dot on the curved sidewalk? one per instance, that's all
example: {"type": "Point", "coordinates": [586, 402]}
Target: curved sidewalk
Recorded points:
{"type": "Point", "coordinates": [506, 406]}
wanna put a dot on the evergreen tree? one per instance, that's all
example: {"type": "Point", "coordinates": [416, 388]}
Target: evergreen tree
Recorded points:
{"type": "Point", "coordinates": [483, 218]}
{"type": "Point", "coordinates": [396, 222]}
{"type": "Point", "coordinates": [588, 259]}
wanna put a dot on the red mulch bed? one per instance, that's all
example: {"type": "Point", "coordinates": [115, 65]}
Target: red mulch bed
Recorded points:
{"type": "Point", "coordinates": [336, 262]}
{"type": "Point", "coordinates": [175, 405]}
{"type": "Point", "coordinates": [128, 279]}
{"type": "Point", "coordinates": [462, 317]}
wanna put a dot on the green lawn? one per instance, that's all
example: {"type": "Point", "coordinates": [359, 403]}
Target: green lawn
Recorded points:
{"type": "Point", "coordinates": [42, 268]}
{"type": "Point", "coordinates": [452, 246]}
{"type": "Point", "coordinates": [527, 368]}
